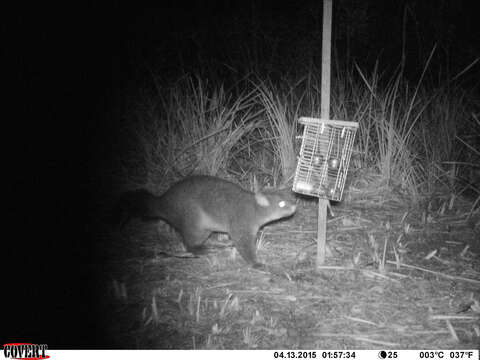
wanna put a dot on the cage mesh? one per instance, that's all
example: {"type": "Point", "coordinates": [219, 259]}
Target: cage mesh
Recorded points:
{"type": "Point", "coordinates": [324, 157]}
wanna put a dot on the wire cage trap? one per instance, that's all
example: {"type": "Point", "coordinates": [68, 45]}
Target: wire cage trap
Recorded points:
{"type": "Point", "coordinates": [324, 157]}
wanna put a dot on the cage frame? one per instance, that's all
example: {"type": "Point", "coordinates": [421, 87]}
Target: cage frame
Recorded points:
{"type": "Point", "coordinates": [312, 179]}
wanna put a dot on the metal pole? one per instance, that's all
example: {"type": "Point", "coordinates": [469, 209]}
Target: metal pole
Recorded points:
{"type": "Point", "coordinates": [325, 114]}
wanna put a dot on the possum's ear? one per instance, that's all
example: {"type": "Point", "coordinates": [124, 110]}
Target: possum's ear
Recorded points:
{"type": "Point", "coordinates": [261, 199]}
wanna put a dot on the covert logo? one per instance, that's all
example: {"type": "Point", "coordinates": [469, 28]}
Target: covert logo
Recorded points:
{"type": "Point", "coordinates": [25, 351]}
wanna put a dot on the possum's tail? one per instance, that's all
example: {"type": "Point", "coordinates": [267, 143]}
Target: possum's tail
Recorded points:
{"type": "Point", "coordinates": [132, 205]}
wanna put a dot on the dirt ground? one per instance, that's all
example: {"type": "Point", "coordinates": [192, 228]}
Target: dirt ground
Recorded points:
{"type": "Point", "coordinates": [396, 277]}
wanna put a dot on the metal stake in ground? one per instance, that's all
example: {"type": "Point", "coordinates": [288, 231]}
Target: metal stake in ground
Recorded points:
{"type": "Point", "coordinates": [326, 148]}
{"type": "Point", "coordinates": [325, 114]}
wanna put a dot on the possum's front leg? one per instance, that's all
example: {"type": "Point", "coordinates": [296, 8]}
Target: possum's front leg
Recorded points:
{"type": "Point", "coordinates": [245, 243]}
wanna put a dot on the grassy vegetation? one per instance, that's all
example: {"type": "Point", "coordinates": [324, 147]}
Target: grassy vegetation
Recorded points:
{"type": "Point", "coordinates": [417, 144]}
{"type": "Point", "coordinates": [397, 276]}
{"type": "Point", "coordinates": [416, 137]}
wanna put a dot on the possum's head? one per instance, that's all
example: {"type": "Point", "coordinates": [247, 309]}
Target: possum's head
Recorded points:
{"type": "Point", "coordinates": [274, 205]}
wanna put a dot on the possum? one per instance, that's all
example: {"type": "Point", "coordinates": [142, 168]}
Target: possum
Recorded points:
{"type": "Point", "coordinates": [200, 205]}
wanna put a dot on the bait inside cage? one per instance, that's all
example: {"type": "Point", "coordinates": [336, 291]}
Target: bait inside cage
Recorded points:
{"type": "Point", "coordinates": [324, 157]}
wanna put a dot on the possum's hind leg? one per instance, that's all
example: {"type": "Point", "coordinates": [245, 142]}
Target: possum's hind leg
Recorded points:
{"type": "Point", "coordinates": [245, 243]}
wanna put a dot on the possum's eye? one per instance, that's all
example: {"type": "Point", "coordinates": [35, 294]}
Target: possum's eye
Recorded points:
{"type": "Point", "coordinates": [282, 204]}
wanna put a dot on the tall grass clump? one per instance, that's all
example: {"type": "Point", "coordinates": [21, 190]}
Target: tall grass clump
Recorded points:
{"type": "Point", "coordinates": [391, 120]}
{"type": "Point", "coordinates": [413, 136]}
{"type": "Point", "coordinates": [408, 133]}
{"type": "Point", "coordinates": [188, 128]}
{"type": "Point", "coordinates": [279, 110]}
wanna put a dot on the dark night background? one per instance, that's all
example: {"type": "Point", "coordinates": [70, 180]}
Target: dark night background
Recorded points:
{"type": "Point", "coordinates": [72, 68]}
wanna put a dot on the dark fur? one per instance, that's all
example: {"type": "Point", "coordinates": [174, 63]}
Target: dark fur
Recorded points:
{"type": "Point", "coordinates": [200, 205]}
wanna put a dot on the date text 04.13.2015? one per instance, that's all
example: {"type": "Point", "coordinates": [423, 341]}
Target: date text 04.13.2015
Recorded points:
{"type": "Point", "coordinates": [314, 355]}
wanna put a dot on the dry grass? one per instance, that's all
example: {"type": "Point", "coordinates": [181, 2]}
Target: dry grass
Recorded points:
{"type": "Point", "coordinates": [403, 266]}
{"type": "Point", "coordinates": [396, 277]}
